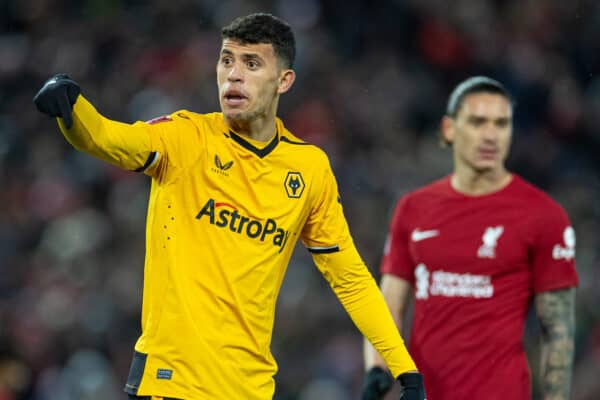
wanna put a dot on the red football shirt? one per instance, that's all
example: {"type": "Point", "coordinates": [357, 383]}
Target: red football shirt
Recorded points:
{"type": "Point", "coordinates": [475, 263]}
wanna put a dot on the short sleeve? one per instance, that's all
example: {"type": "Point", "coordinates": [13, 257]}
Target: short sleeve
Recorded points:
{"type": "Point", "coordinates": [553, 253]}
{"type": "Point", "coordinates": [326, 229]}
{"type": "Point", "coordinates": [396, 253]}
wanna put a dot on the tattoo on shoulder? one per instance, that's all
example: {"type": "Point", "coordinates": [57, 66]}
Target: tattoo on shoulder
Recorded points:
{"type": "Point", "coordinates": [556, 313]}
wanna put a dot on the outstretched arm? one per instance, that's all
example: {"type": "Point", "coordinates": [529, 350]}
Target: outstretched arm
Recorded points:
{"type": "Point", "coordinates": [125, 145]}
{"type": "Point", "coordinates": [556, 313]}
{"type": "Point", "coordinates": [396, 293]}
{"type": "Point", "coordinates": [356, 289]}
{"type": "Point", "coordinates": [326, 235]}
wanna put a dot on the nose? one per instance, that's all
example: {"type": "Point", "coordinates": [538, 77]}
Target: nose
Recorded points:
{"type": "Point", "coordinates": [235, 73]}
{"type": "Point", "coordinates": [490, 134]}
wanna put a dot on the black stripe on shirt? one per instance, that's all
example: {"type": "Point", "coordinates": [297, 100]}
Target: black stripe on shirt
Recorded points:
{"type": "Point", "coordinates": [249, 146]}
{"type": "Point", "coordinates": [285, 139]}
{"type": "Point", "coordinates": [324, 250]}
{"type": "Point", "coordinates": [148, 162]}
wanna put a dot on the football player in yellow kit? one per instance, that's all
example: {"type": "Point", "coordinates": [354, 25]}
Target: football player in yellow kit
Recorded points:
{"type": "Point", "coordinates": [231, 194]}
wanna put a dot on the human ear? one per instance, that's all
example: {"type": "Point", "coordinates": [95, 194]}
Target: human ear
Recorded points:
{"type": "Point", "coordinates": [447, 129]}
{"type": "Point", "coordinates": [286, 80]}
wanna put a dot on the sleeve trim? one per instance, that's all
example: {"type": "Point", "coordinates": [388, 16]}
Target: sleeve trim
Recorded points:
{"type": "Point", "coordinates": [324, 250]}
{"type": "Point", "coordinates": [152, 158]}
{"type": "Point", "coordinates": [570, 284]}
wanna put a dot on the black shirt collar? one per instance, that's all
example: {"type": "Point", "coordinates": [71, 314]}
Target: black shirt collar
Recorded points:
{"type": "Point", "coordinates": [249, 146]}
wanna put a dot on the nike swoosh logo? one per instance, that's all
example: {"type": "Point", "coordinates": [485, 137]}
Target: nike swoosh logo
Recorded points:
{"type": "Point", "coordinates": [418, 235]}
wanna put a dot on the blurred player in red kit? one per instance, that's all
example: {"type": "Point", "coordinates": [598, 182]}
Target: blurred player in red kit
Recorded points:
{"type": "Point", "coordinates": [475, 249]}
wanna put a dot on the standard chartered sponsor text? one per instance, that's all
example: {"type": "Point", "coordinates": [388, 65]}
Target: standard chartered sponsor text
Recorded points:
{"type": "Point", "coordinates": [450, 284]}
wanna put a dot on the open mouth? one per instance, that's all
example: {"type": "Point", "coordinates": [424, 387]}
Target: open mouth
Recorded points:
{"type": "Point", "coordinates": [234, 97]}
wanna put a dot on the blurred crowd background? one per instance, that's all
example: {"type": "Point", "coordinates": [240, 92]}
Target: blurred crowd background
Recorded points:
{"type": "Point", "coordinates": [373, 78]}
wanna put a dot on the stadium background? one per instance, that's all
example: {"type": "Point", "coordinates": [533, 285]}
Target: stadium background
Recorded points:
{"type": "Point", "coordinates": [371, 87]}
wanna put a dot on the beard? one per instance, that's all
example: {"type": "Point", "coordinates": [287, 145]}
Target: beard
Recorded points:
{"type": "Point", "coordinates": [244, 117]}
{"type": "Point", "coordinates": [240, 120]}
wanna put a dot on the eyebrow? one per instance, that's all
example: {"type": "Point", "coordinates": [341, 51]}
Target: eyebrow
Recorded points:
{"type": "Point", "coordinates": [476, 117]}
{"type": "Point", "coordinates": [245, 56]}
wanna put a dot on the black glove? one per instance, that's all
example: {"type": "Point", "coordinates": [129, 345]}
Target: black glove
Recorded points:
{"type": "Point", "coordinates": [57, 96]}
{"type": "Point", "coordinates": [376, 385]}
{"type": "Point", "coordinates": [412, 386]}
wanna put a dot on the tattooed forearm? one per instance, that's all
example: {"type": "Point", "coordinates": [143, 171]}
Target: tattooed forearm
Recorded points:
{"type": "Point", "coordinates": [556, 313]}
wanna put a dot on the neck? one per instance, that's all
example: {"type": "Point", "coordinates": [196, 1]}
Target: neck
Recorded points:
{"type": "Point", "coordinates": [259, 126]}
{"type": "Point", "coordinates": [475, 183]}
{"type": "Point", "coordinates": [260, 129]}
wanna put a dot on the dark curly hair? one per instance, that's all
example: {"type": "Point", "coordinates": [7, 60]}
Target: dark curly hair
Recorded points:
{"type": "Point", "coordinates": [264, 28]}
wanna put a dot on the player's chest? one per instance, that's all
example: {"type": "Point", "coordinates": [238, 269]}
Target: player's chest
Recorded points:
{"type": "Point", "coordinates": [228, 183]}
{"type": "Point", "coordinates": [471, 239]}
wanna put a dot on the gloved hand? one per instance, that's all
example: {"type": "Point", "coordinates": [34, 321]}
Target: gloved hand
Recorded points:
{"type": "Point", "coordinates": [377, 383]}
{"type": "Point", "coordinates": [412, 386]}
{"type": "Point", "coordinates": [57, 96]}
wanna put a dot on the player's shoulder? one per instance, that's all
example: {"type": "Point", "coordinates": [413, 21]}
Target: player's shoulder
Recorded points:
{"type": "Point", "coordinates": [423, 197]}
{"type": "Point", "coordinates": [432, 191]}
{"type": "Point", "coordinates": [214, 119]}
{"type": "Point", "coordinates": [300, 148]}
{"type": "Point", "coordinates": [175, 119]}
{"type": "Point", "coordinates": [536, 202]}
{"type": "Point", "coordinates": [532, 194]}
{"type": "Point", "coordinates": [192, 125]}
{"type": "Point", "coordinates": [186, 131]}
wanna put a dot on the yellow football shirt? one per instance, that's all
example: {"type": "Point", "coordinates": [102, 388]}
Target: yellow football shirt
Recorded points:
{"type": "Point", "coordinates": [223, 218]}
